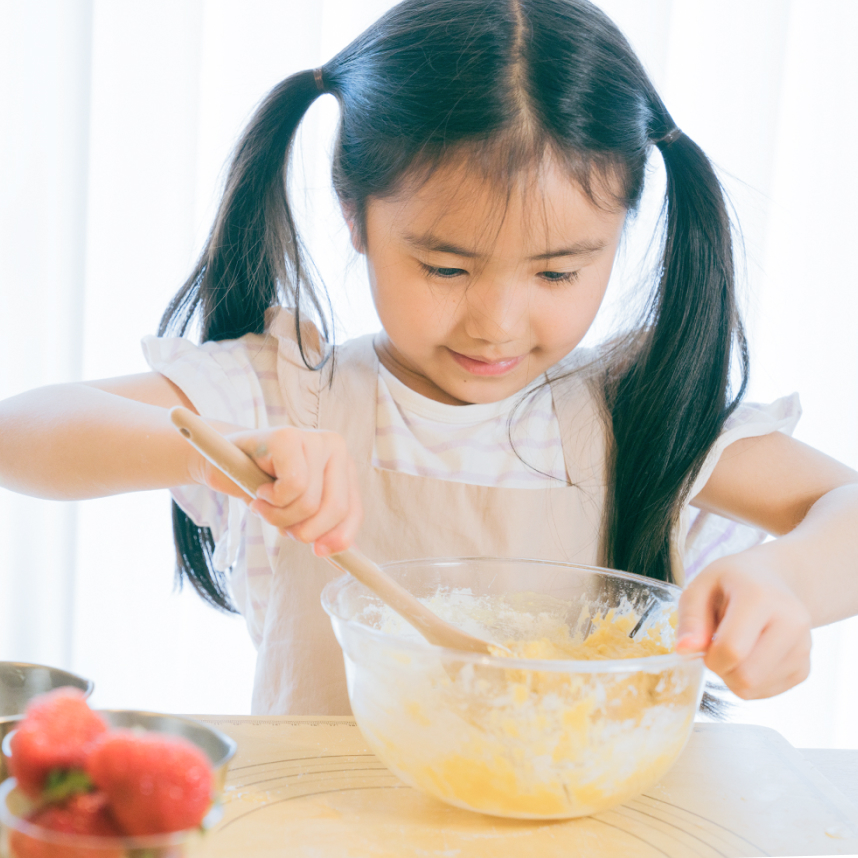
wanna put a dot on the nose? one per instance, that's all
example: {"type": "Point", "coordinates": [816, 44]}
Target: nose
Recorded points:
{"type": "Point", "coordinates": [496, 310]}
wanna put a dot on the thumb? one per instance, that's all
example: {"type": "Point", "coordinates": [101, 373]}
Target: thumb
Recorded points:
{"type": "Point", "coordinates": [697, 618]}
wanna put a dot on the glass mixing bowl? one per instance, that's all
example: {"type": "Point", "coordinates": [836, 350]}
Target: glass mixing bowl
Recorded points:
{"type": "Point", "coordinates": [535, 738]}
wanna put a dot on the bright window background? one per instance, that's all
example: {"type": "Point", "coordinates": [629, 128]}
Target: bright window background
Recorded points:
{"type": "Point", "coordinates": [116, 118]}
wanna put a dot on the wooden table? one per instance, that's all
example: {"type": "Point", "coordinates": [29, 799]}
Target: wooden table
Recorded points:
{"type": "Point", "coordinates": [311, 787]}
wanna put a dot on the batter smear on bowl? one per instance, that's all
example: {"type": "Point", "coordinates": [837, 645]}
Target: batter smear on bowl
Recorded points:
{"type": "Point", "coordinates": [543, 731]}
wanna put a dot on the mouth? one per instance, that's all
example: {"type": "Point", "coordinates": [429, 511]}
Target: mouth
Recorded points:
{"type": "Point", "coordinates": [480, 366]}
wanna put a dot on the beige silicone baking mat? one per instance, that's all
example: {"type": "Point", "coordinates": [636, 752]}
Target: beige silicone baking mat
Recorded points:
{"type": "Point", "coordinates": [311, 787]}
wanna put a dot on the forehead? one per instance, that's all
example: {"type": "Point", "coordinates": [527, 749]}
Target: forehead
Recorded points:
{"type": "Point", "coordinates": [537, 209]}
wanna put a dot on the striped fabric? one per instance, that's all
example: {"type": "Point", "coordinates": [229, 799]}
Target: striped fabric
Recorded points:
{"type": "Point", "coordinates": [236, 381]}
{"type": "Point", "coordinates": [710, 536]}
{"type": "Point", "coordinates": [494, 444]}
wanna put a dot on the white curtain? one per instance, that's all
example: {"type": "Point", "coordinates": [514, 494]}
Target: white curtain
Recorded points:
{"type": "Point", "coordinates": [116, 118]}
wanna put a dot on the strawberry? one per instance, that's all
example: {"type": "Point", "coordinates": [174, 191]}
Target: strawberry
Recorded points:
{"type": "Point", "coordinates": [53, 739]}
{"type": "Point", "coordinates": [86, 814]}
{"type": "Point", "coordinates": [154, 783]}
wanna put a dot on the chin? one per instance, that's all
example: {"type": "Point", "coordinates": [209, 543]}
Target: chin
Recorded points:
{"type": "Point", "coordinates": [482, 393]}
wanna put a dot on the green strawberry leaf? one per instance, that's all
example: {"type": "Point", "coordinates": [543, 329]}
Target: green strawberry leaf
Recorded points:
{"type": "Point", "coordinates": [63, 783]}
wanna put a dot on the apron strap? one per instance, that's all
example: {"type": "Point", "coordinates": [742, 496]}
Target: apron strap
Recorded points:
{"type": "Point", "coordinates": [348, 400]}
{"type": "Point", "coordinates": [583, 433]}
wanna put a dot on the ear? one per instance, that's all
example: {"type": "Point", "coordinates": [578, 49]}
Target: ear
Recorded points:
{"type": "Point", "coordinates": [350, 217]}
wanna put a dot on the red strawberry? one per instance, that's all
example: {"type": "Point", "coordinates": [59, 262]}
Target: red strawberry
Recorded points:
{"type": "Point", "coordinates": [86, 814]}
{"type": "Point", "coordinates": [55, 735]}
{"type": "Point", "coordinates": [154, 783]}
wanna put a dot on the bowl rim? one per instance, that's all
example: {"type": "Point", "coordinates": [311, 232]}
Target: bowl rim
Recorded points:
{"type": "Point", "coordinates": [87, 841]}
{"type": "Point", "coordinates": [650, 663]}
{"type": "Point", "coordinates": [227, 741]}
{"type": "Point", "coordinates": [87, 690]}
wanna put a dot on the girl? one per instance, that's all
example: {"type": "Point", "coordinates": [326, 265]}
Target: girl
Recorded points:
{"type": "Point", "coordinates": [488, 157]}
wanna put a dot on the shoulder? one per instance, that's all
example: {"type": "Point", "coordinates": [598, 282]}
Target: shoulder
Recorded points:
{"type": "Point", "coordinates": [299, 341]}
{"type": "Point", "coordinates": [247, 352]}
{"type": "Point", "coordinates": [749, 420]}
{"type": "Point", "coordinates": [231, 380]}
{"type": "Point", "coordinates": [238, 380]}
{"type": "Point", "coordinates": [578, 384]}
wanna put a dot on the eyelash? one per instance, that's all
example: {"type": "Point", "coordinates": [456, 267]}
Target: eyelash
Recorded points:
{"type": "Point", "coordinates": [562, 276]}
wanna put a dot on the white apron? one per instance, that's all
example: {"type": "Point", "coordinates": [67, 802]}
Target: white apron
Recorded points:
{"type": "Point", "coordinates": [300, 665]}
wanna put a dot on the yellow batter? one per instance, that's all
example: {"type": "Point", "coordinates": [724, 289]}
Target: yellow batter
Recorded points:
{"type": "Point", "coordinates": [539, 743]}
{"type": "Point", "coordinates": [608, 639]}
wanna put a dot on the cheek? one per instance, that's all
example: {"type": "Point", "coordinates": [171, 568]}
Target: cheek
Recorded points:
{"type": "Point", "coordinates": [409, 310]}
{"type": "Point", "coordinates": [564, 318]}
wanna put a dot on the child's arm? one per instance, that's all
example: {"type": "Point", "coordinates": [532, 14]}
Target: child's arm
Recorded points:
{"type": "Point", "coordinates": [760, 604]}
{"type": "Point", "coordinates": [75, 441]}
{"type": "Point", "coordinates": [87, 440]}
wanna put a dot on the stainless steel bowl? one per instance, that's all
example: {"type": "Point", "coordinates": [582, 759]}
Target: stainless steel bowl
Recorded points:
{"type": "Point", "coordinates": [217, 746]}
{"type": "Point", "coordinates": [20, 683]}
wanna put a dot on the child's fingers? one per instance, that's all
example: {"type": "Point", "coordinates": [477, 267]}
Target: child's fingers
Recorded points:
{"type": "Point", "coordinates": [314, 495]}
{"type": "Point", "coordinates": [292, 509]}
{"type": "Point", "coordinates": [697, 612]}
{"type": "Point", "coordinates": [754, 630]}
{"type": "Point", "coordinates": [779, 660]}
{"type": "Point", "coordinates": [737, 633]}
{"type": "Point", "coordinates": [778, 673]}
{"type": "Point", "coordinates": [333, 504]}
{"type": "Point", "coordinates": [285, 454]}
{"type": "Point", "coordinates": [343, 535]}
{"type": "Point", "coordinates": [301, 509]}
{"type": "Point", "coordinates": [220, 482]}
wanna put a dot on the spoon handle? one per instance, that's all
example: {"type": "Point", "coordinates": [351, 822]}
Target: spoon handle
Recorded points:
{"type": "Point", "coordinates": [244, 472]}
{"type": "Point", "coordinates": [223, 454]}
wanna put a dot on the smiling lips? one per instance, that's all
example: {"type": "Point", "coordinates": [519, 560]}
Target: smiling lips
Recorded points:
{"type": "Point", "coordinates": [486, 367]}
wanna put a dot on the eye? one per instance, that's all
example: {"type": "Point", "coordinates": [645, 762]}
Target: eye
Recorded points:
{"type": "Point", "coordinates": [442, 273]}
{"type": "Point", "coordinates": [559, 276]}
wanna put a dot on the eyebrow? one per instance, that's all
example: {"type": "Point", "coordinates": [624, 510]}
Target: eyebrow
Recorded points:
{"type": "Point", "coordinates": [437, 245]}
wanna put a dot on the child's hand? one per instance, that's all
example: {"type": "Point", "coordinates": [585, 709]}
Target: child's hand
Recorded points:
{"type": "Point", "coordinates": [314, 497]}
{"type": "Point", "coordinates": [754, 629]}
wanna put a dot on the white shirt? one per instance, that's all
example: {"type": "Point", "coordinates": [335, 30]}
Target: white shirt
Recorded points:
{"type": "Point", "coordinates": [514, 443]}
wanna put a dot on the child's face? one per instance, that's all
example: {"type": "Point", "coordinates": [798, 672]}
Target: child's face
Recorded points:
{"type": "Point", "coordinates": [478, 296]}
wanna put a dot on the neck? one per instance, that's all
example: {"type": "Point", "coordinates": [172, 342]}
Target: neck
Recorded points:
{"type": "Point", "coordinates": [393, 362]}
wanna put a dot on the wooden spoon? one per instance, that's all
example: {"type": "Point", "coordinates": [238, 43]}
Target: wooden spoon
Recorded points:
{"type": "Point", "coordinates": [243, 471]}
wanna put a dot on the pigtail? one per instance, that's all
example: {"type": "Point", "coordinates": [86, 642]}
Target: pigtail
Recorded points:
{"type": "Point", "coordinates": [669, 400]}
{"type": "Point", "coordinates": [669, 404]}
{"type": "Point", "coordinates": [253, 260]}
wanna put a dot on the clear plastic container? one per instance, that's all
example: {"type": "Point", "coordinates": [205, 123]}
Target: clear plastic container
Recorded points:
{"type": "Point", "coordinates": [21, 839]}
{"type": "Point", "coordinates": [534, 738]}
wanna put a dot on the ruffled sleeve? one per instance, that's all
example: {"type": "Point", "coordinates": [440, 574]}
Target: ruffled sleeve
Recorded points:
{"type": "Point", "coordinates": [225, 381]}
{"type": "Point", "coordinates": [255, 382]}
{"type": "Point", "coordinates": [704, 537]}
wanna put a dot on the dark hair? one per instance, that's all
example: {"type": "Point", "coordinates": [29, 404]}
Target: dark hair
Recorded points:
{"type": "Point", "coordinates": [500, 82]}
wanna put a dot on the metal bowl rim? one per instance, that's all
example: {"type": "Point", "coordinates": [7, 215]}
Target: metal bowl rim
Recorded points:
{"type": "Point", "coordinates": [229, 743]}
{"type": "Point", "coordinates": [90, 685]}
